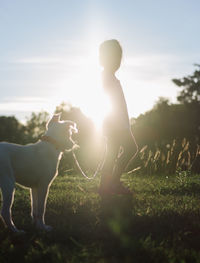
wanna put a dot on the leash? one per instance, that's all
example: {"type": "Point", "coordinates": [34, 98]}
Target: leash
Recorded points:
{"type": "Point", "coordinates": [99, 166]}
{"type": "Point", "coordinates": [75, 147]}
{"type": "Point", "coordinates": [101, 163]}
{"type": "Point", "coordinates": [72, 150]}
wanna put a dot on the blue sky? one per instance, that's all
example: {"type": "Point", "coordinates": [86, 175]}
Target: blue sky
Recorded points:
{"type": "Point", "coordinates": [49, 51]}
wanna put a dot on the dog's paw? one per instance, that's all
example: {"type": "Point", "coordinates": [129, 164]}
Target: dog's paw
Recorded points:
{"type": "Point", "coordinates": [44, 227]}
{"type": "Point", "coordinates": [40, 225]}
{"type": "Point", "coordinates": [48, 228]}
{"type": "Point", "coordinates": [20, 232]}
{"type": "Point", "coordinates": [16, 231]}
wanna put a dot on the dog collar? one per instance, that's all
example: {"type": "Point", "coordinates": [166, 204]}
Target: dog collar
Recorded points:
{"type": "Point", "coordinates": [53, 142]}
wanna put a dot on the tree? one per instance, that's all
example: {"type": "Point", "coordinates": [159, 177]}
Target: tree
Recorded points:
{"type": "Point", "coordinates": [168, 122]}
{"type": "Point", "coordinates": [190, 96]}
{"type": "Point", "coordinates": [191, 88]}
{"type": "Point", "coordinates": [162, 124]}
{"type": "Point", "coordinates": [11, 130]}
{"type": "Point", "coordinates": [36, 125]}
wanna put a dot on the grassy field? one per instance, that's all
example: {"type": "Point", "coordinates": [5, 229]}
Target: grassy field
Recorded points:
{"type": "Point", "coordinates": [160, 223]}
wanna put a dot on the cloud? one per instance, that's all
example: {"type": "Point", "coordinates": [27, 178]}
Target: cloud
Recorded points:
{"type": "Point", "coordinates": [40, 60]}
{"type": "Point", "coordinates": [27, 105]}
{"type": "Point", "coordinates": [22, 104]}
{"type": "Point", "coordinates": [22, 107]}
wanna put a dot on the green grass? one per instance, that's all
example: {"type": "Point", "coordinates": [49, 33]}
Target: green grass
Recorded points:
{"type": "Point", "coordinates": [161, 223]}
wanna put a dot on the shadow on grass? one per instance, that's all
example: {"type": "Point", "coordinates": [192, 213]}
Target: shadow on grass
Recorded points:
{"type": "Point", "coordinates": [148, 238]}
{"type": "Point", "coordinates": [113, 233]}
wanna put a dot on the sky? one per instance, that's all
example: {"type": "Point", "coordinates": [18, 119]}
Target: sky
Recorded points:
{"type": "Point", "coordinates": [49, 52]}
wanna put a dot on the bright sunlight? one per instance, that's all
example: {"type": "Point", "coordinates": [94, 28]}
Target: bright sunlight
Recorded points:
{"type": "Point", "coordinates": [86, 91]}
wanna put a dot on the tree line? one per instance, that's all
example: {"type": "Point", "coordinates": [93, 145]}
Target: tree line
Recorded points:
{"type": "Point", "coordinates": [168, 135]}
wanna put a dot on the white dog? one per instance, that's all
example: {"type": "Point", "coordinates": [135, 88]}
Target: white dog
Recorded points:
{"type": "Point", "coordinates": [34, 166]}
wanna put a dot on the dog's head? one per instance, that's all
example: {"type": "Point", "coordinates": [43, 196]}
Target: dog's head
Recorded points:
{"type": "Point", "coordinates": [61, 131]}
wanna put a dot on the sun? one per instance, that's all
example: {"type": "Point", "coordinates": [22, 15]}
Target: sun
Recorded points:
{"type": "Point", "coordinates": [81, 85]}
{"type": "Point", "coordinates": [91, 98]}
{"type": "Point", "coordinates": [97, 108]}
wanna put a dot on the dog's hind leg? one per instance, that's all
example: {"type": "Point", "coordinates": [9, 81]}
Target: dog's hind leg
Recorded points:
{"type": "Point", "coordinates": [7, 185]}
{"type": "Point", "coordinates": [39, 197]}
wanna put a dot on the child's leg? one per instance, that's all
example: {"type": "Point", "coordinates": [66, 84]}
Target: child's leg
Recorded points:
{"type": "Point", "coordinates": [130, 149]}
{"type": "Point", "coordinates": [107, 171]}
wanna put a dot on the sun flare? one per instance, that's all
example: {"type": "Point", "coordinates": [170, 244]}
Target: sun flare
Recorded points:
{"type": "Point", "coordinates": [91, 98]}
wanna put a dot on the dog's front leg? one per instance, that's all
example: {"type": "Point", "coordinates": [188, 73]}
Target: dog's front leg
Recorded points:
{"type": "Point", "coordinates": [34, 204]}
{"type": "Point", "coordinates": [39, 197]}
{"type": "Point", "coordinates": [7, 186]}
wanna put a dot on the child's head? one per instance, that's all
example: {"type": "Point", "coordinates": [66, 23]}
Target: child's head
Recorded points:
{"type": "Point", "coordinates": [110, 55]}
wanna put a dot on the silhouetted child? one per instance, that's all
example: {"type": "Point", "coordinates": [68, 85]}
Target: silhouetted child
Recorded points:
{"type": "Point", "coordinates": [121, 145]}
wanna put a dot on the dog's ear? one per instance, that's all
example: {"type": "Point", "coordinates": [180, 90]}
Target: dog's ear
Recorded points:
{"type": "Point", "coordinates": [55, 118]}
